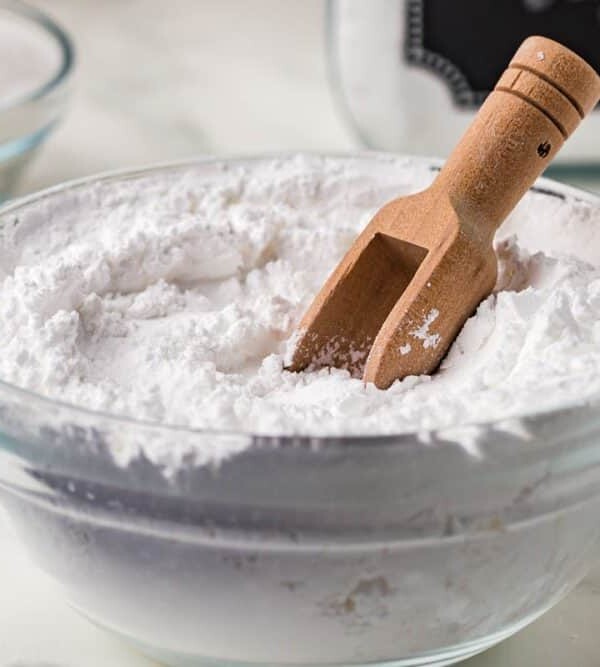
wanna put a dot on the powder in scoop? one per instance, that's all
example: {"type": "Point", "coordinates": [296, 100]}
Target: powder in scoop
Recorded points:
{"type": "Point", "coordinates": [174, 299]}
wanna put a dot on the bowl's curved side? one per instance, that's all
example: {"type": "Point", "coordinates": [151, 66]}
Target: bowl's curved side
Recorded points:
{"type": "Point", "coordinates": [56, 34]}
{"type": "Point", "coordinates": [177, 578]}
{"type": "Point", "coordinates": [358, 552]}
{"type": "Point", "coordinates": [27, 121]}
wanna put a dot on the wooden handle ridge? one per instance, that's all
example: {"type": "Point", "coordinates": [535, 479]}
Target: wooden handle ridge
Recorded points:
{"type": "Point", "coordinates": [537, 104]}
{"type": "Point", "coordinates": [554, 80]}
{"type": "Point", "coordinates": [570, 74]}
{"type": "Point", "coordinates": [544, 96]}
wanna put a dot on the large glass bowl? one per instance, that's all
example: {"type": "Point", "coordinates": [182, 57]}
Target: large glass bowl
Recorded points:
{"type": "Point", "coordinates": [28, 117]}
{"type": "Point", "coordinates": [407, 550]}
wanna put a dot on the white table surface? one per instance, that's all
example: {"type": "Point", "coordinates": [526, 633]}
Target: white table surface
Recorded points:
{"type": "Point", "coordinates": [159, 81]}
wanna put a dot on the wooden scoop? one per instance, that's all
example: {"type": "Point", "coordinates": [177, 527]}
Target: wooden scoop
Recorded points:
{"type": "Point", "coordinates": [409, 282]}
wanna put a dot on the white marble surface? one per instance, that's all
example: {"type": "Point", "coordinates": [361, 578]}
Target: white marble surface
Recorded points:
{"type": "Point", "coordinates": [158, 81]}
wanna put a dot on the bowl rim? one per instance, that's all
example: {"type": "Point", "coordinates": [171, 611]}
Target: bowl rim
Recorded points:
{"type": "Point", "coordinates": [65, 44]}
{"type": "Point", "coordinates": [543, 186]}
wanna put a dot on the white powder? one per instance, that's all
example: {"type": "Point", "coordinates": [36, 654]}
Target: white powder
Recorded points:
{"type": "Point", "coordinates": [29, 57]}
{"type": "Point", "coordinates": [174, 299]}
{"type": "Point", "coordinates": [424, 334]}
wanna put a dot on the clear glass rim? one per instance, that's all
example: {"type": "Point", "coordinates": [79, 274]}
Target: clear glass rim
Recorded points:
{"type": "Point", "coordinates": [59, 35]}
{"type": "Point", "coordinates": [543, 186]}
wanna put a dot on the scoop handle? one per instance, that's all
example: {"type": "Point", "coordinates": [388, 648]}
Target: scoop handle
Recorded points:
{"type": "Point", "coordinates": [538, 102]}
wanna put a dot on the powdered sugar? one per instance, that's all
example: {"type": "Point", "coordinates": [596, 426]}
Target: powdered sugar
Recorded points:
{"type": "Point", "coordinates": [174, 299]}
{"type": "Point", "coordinates": [423, 332]}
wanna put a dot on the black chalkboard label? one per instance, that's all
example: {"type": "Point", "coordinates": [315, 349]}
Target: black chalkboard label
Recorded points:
{"type": "Point", "coordinates": [468, 43]}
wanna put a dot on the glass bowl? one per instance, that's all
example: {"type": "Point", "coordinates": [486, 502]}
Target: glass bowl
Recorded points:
{"type": "Point", "coordinates": [37, 62]}
{"type": "Point", "coordinates": [402, 550]}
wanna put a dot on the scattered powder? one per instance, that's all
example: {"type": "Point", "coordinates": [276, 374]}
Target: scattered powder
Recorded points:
{"type": "Point", "coordinates": [29, 57]}
{"type": "Point", "coordinates": [175, 298]}
{"type": "Point", "coordinates": [424, 334]}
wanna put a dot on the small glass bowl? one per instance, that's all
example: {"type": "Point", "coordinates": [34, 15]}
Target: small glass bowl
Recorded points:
{"type": "Point", "coordinates": [28, 117]}
{"type": "Point", "coordinates": [403, 550]}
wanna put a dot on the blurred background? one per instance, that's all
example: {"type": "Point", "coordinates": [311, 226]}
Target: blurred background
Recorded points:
{"type": "Point", "coordinates": [154, 81]}
{"type": "Point", "coordinates": [157, 81]}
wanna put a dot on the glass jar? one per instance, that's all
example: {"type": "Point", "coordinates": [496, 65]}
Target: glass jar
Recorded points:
{"type": "Point", "coordinates": [410, 74]}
